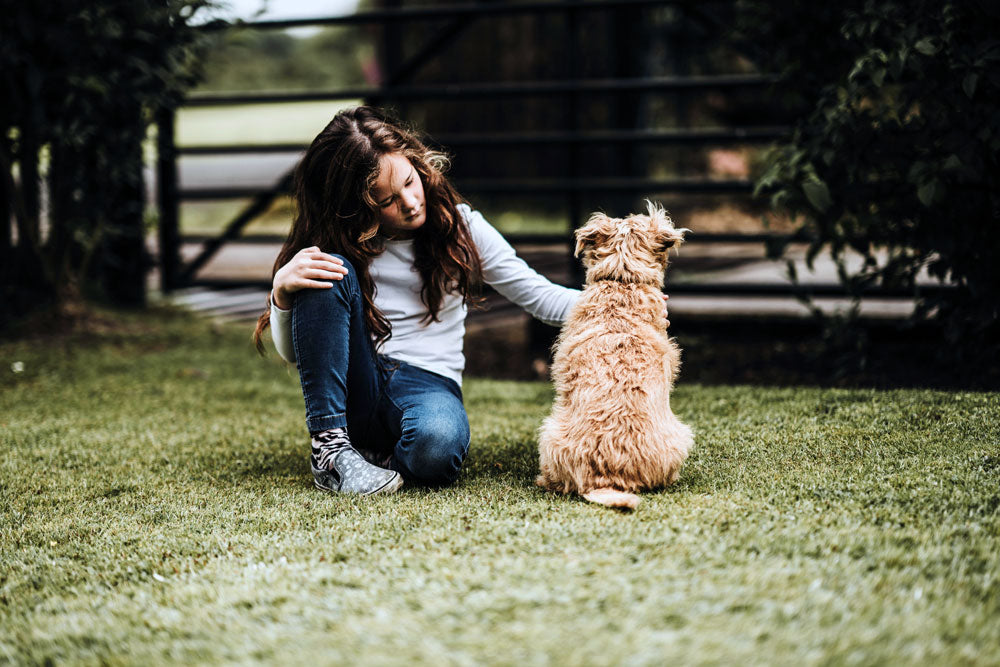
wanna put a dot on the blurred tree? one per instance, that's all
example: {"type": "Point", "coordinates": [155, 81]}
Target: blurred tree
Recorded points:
{"type": "Point", "coordinates": [81, 80]}
{"type": "Point", "coordinates": [245, 59]}
{"type": "Point", "coordinates": [896, 154]}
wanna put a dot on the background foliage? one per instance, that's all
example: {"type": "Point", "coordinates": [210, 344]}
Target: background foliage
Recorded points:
{"type": "Point", "coordinates": [81, 81]}
{"type": "Point", "coordinates": [895, 153]}
{"type": "Point", "coordinates": [243, 59]}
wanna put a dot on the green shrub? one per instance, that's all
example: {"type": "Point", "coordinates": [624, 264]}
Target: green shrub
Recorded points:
{"type": "Point", "coordinates": [895, 153]}
{"type": "Point", "coordinates": [81, 81]}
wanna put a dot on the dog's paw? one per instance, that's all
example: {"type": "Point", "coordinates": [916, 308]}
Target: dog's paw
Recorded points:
{"type": "Point", "coordinates": [621, 500]}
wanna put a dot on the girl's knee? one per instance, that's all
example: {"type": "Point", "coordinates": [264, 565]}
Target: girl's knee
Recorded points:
{"type": "Point", "coordinates": [435, 452]}
{"type": "Point", "coordinates": [340, 289]}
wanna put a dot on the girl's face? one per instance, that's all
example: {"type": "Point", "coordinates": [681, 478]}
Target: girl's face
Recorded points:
{"type": "Point", "coordinates": [399, 194]}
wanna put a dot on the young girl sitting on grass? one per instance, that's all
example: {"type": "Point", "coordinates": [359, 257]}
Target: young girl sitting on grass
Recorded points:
{"type": "Point", "coordinates": [369, 298]}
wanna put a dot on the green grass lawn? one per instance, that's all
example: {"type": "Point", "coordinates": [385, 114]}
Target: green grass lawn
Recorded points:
{"type": "Point", "coordinates": [156, 507]}
{"type": "Point", "coordinates": [255, 123]}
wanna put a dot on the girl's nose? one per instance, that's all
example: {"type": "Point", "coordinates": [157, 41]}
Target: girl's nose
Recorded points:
{"type": "Point", "coordinates": [409, 200]}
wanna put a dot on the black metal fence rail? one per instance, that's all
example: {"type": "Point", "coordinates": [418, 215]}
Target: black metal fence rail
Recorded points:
{"type": "Point", "coordinates": [465, 91]}
{"type": "Point", "coordinates": [534, 187]}
{"type": "Point", "coordinates": [688, 137]}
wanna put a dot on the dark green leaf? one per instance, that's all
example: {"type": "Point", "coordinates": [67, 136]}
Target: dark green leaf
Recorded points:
{"type": "Point", "coordinates": [926, 46]}
{"type": "Point", "coordinates": [969, 83]}
{"type": "Point", "coordinates": [899, 64]}
{"type": "Point", "coordinates": [818, 194]}
{"type": "Point", "coordinates": [952, 163]}
{"type": "Point", "coordinates": [929, 192]}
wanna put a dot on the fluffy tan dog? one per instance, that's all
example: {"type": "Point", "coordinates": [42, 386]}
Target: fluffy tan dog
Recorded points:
{"type": "Point", "coordinates": [611, 431]}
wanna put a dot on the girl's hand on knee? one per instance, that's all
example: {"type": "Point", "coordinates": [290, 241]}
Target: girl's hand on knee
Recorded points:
{"type": "Point", "coordinates": [309, 268]}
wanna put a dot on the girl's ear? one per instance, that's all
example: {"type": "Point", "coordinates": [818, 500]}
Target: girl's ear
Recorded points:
{"type": "Point", "coordinates": [589, 235]}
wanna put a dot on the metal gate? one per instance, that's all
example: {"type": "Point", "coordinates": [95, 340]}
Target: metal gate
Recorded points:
{"type": "Point", "coordinates": [398, 88]}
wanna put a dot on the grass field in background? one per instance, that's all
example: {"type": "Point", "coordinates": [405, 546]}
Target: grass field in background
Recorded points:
{"type": "Point", "coordinates": [211, 217]}
{"type": "Point", "coordinates": [255, 123]}
{"type": "Point", "coordinates": [156, 507]}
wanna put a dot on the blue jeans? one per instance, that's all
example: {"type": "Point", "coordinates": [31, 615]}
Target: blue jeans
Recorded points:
{"type": "Point", "coordinates": [390, 408]}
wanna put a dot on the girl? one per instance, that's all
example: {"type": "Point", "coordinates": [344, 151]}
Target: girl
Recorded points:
{"type": "Point", "coordinates": [369, 298]}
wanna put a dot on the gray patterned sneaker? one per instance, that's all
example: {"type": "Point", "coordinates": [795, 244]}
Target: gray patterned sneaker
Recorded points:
{"type": "Point", "coordinates": [338, 468]}
{"type": "Point", "coordinates": [377, 459]}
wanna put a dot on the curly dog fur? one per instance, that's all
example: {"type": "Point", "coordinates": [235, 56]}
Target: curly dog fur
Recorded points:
{"type": "Point", "coordinates": [611, 432]}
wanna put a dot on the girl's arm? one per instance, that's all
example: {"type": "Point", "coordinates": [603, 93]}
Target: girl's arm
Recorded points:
{"type": "Point", "coordinates": [281, 332]}
{"type": "Point", "coordinates": [510, 275]}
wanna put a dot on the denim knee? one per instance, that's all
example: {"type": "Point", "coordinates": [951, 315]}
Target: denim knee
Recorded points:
{"type": "Point", "coordinates": [343, 288]}
{"type": "Point", "coordinates": [432, 451]}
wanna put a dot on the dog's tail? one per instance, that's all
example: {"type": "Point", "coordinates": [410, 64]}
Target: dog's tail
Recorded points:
{"type": "Point", "coordinates": [621, 500]}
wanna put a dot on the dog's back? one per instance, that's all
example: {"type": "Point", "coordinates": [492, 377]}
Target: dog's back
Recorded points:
{"type": "Point", "coordinates": [611, 431]}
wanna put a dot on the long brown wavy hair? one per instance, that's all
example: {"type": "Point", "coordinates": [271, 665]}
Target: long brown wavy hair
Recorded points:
{"type": "Point", "coordinates": [337, 213]}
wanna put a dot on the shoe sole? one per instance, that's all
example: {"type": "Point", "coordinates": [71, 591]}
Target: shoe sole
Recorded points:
{"type": "Point", "coordinates": [389, 487]}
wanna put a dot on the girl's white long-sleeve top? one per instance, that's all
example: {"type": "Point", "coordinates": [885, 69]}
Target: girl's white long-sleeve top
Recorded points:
{"type": "Point", "coordinates": [437, 346]}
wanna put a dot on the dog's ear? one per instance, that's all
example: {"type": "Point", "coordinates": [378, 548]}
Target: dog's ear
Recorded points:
{"type": "Point", "coordinates": [667, 237]}
{"type": "Point", "coordinates": [591, 233]}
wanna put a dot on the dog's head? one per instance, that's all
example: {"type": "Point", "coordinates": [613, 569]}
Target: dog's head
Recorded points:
{"type": "Point", "coordinates": [630, 250]}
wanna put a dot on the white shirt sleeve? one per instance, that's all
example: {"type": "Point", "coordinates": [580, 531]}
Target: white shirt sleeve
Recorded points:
{"type": "Point", "coordinates": [281, 332]}
{"type": "Point", "coordinates": [510, 275]}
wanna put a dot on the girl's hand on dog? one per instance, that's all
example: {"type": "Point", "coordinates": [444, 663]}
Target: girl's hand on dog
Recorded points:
{"type": "Point", "coordinates": [665, 312]}
{"type": "Point", "coordinates": [309, 268]}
